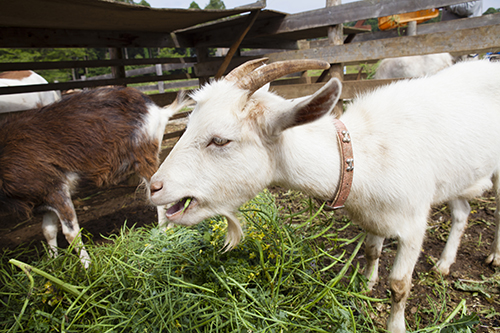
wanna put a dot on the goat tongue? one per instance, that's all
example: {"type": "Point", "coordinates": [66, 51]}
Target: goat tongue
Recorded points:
{"type": "Point", "coordinates": [179, 206]}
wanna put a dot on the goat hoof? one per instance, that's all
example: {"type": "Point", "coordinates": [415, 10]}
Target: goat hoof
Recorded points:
{"type": "Point", "coordinates": [493, 259]}
{"type": "Point", "coordinates": [370, 285]}
{"type": "Point", "coordinates": [441, 268]}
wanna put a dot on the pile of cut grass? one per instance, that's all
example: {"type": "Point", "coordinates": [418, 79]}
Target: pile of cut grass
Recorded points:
{"type": "Point", "coordinates": [279, 279]}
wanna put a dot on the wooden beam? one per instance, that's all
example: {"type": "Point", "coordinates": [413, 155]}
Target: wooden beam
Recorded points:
{"type": "Point", "coordinates": [89, 83]}
{"type": "Point", "coordinates": [117, 71]}
{"type": "Point", "coordinates": [476, 40]}
{"type": "Point", "coordinates": [350, 89]}
{"type": "Point", "coordinates": [39, 37]}
{"type": "Point", "coordinates": [336, 37]}
{"type": "Point", "coordinates": [34, 37]}
{"type": "Point", "coordinates": [234, 47]}
{"type": "Point", "coordinates": [354, 11]}
{"type": "Point", "coordinates": [281, 31]}
{"type": "Point", "coordinates": [428, 28]}
{"type": "Point", "coordinates": [16, 66]}
{"type": "Point", "coordinates": [211, 67]}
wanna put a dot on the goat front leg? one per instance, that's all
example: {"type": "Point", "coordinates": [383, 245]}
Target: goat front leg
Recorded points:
{"type": "Point", "coordinates": [460, 210]}
{"type": "Point", "coordinates": [373, 250]}
{"type": "Point", "coordinates": [494, 256]}
{"type": "Point", "coordinates": [400, 278]}
{"type": "Point", "coordinates": [60, 202]}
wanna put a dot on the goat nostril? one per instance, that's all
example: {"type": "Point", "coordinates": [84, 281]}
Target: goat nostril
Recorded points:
{"type": "Point", "coordinates": [156, 187]}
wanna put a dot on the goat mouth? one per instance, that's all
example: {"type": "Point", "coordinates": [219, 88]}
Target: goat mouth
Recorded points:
{"type": "Point", "coordinates": [180, 207]}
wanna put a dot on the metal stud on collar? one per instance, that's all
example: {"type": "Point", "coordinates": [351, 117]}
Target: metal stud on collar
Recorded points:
{"type": "Point", "coordinates": [347, 137]}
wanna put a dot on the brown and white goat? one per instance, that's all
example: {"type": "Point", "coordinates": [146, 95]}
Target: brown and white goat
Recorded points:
{"type": "Point", "coordinates": [415, 143]}
{"type": "Point", "coordinates": [25, 101]}
{"type": "Point", "coordinates": [100, 136]}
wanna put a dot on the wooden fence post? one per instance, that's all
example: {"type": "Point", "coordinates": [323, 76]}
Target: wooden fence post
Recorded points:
{"type": "Point", "coordinates": [412, 28]}
{"type": "Point", "coordinates": [336, 37]}
{"type": "Point", "coordinates": [159, 72]}
{"type": "Point", "coordinates": [117, 71]}
{"type": "Point", "coordinates": [202, 56]}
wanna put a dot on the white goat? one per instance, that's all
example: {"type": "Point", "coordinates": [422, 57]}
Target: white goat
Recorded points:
{"type": "Point", "coordinates": [413, 66]}
{"type": "Point", "coordinates": [25, 101]}
{"type": "Point", "coordinates": [416, 143]}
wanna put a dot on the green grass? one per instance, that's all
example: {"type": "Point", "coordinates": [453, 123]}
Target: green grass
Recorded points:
{"type": "Point", "coordinates": [281, 278]}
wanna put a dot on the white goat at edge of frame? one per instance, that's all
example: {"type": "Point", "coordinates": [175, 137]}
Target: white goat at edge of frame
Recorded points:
{"type": "Point", "coordinates": [25, 101]}
{"type": "Point", "coordinates": [413, 66]}
{"type": "Point", "coordinates": [416, 143]}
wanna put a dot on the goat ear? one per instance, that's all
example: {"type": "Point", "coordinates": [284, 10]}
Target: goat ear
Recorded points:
{"type": "Point", "coordinates": [311, 108]}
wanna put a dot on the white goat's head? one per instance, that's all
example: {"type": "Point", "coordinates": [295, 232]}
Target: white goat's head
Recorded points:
{"type": "Point", "coordinates": [225, 157]}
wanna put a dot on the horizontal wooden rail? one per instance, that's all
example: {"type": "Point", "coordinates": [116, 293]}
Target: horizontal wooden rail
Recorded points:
{"type": "Point", "coordinates": [474, 40]}
{"type": "Point", "coordinates": [351, 12]}
{"type": "Point", "coordinates": [16, 66]}
{"type": "Point", "coordinates": [89, 83]}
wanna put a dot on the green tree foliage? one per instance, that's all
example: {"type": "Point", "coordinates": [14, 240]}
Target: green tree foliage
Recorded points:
{"type": "Point", "coordinates": [194, 5]}
{"type": "Point", "coordinates": [215, 4]}
{"type": "Point", "coordinates": [132, 2]}
{"type": "Point", "coordinates": [53, 54]}
{"type": "Point", "coordinates": [491, 10]}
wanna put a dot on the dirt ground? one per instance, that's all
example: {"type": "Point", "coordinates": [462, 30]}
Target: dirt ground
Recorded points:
{"type": "Point", "coordinates": [102, 212]}
{"type": "Point", "coordinates": [470, 278]}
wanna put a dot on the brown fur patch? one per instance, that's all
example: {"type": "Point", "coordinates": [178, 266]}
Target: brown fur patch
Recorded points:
{"type": "Point", "coordinates": [94, 134]}
{"type": "Point", "coordinates": [15, 75]}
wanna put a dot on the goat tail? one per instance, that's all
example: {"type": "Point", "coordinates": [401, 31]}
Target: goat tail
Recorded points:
{"type": "Point", "coordinates": [180, 102]}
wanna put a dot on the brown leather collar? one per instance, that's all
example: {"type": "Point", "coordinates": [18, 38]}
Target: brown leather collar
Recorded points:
{"type": "Point", "coordinates": [346, 167]}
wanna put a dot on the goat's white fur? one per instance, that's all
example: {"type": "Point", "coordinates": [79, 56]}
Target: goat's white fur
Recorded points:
{"type": "Point", "coordinates": [26, 101]}
{"type": "Point", "coordinates": [416, 143]}
{"type": "Point", "coordinates": [413, 66]}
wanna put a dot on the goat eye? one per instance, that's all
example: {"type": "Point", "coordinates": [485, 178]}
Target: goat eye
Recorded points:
{"type": "Point", "coordinates": [219, 141]}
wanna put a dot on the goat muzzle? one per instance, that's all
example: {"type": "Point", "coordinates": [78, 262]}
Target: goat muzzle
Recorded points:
{"type": "Point", "coordinates": [155, 187]}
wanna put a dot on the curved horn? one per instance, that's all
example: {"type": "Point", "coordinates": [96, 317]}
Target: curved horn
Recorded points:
{"type": "Point", "coordinates": [259, 77]}
{"type": "Point", "coordinates": [244, 69]}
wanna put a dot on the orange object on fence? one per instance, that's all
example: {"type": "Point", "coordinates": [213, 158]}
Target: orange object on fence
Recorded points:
{"type": "Point", "coordinates": [400, 20]}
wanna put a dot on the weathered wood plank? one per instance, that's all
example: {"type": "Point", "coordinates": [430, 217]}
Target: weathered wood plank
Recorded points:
{"type": "Point", "coordinates": [236, 44]}
{"type": "Point", "coordinates": [16, 66]}
{"type": "Point", "coordinates": [34, 37]}
{"type": "Point", "coordinates": [89, 83]}
{"type": "Point", "coordinates": [175, 134]}
{"type": "Point", "coordinates": [350, 89]}
{"type": "Point", "coordinates": [423, 29]}
{"type": "Point", "coordinates": [475, 40]}
{"type": "Point", "coordinates": [39, 37]}
{"type": "Point", "coordinates": [281, 31]}
{"type": "Point", "coordinates": [211, 67]}
{"type": "Point", "coordinates": [353, 11]}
